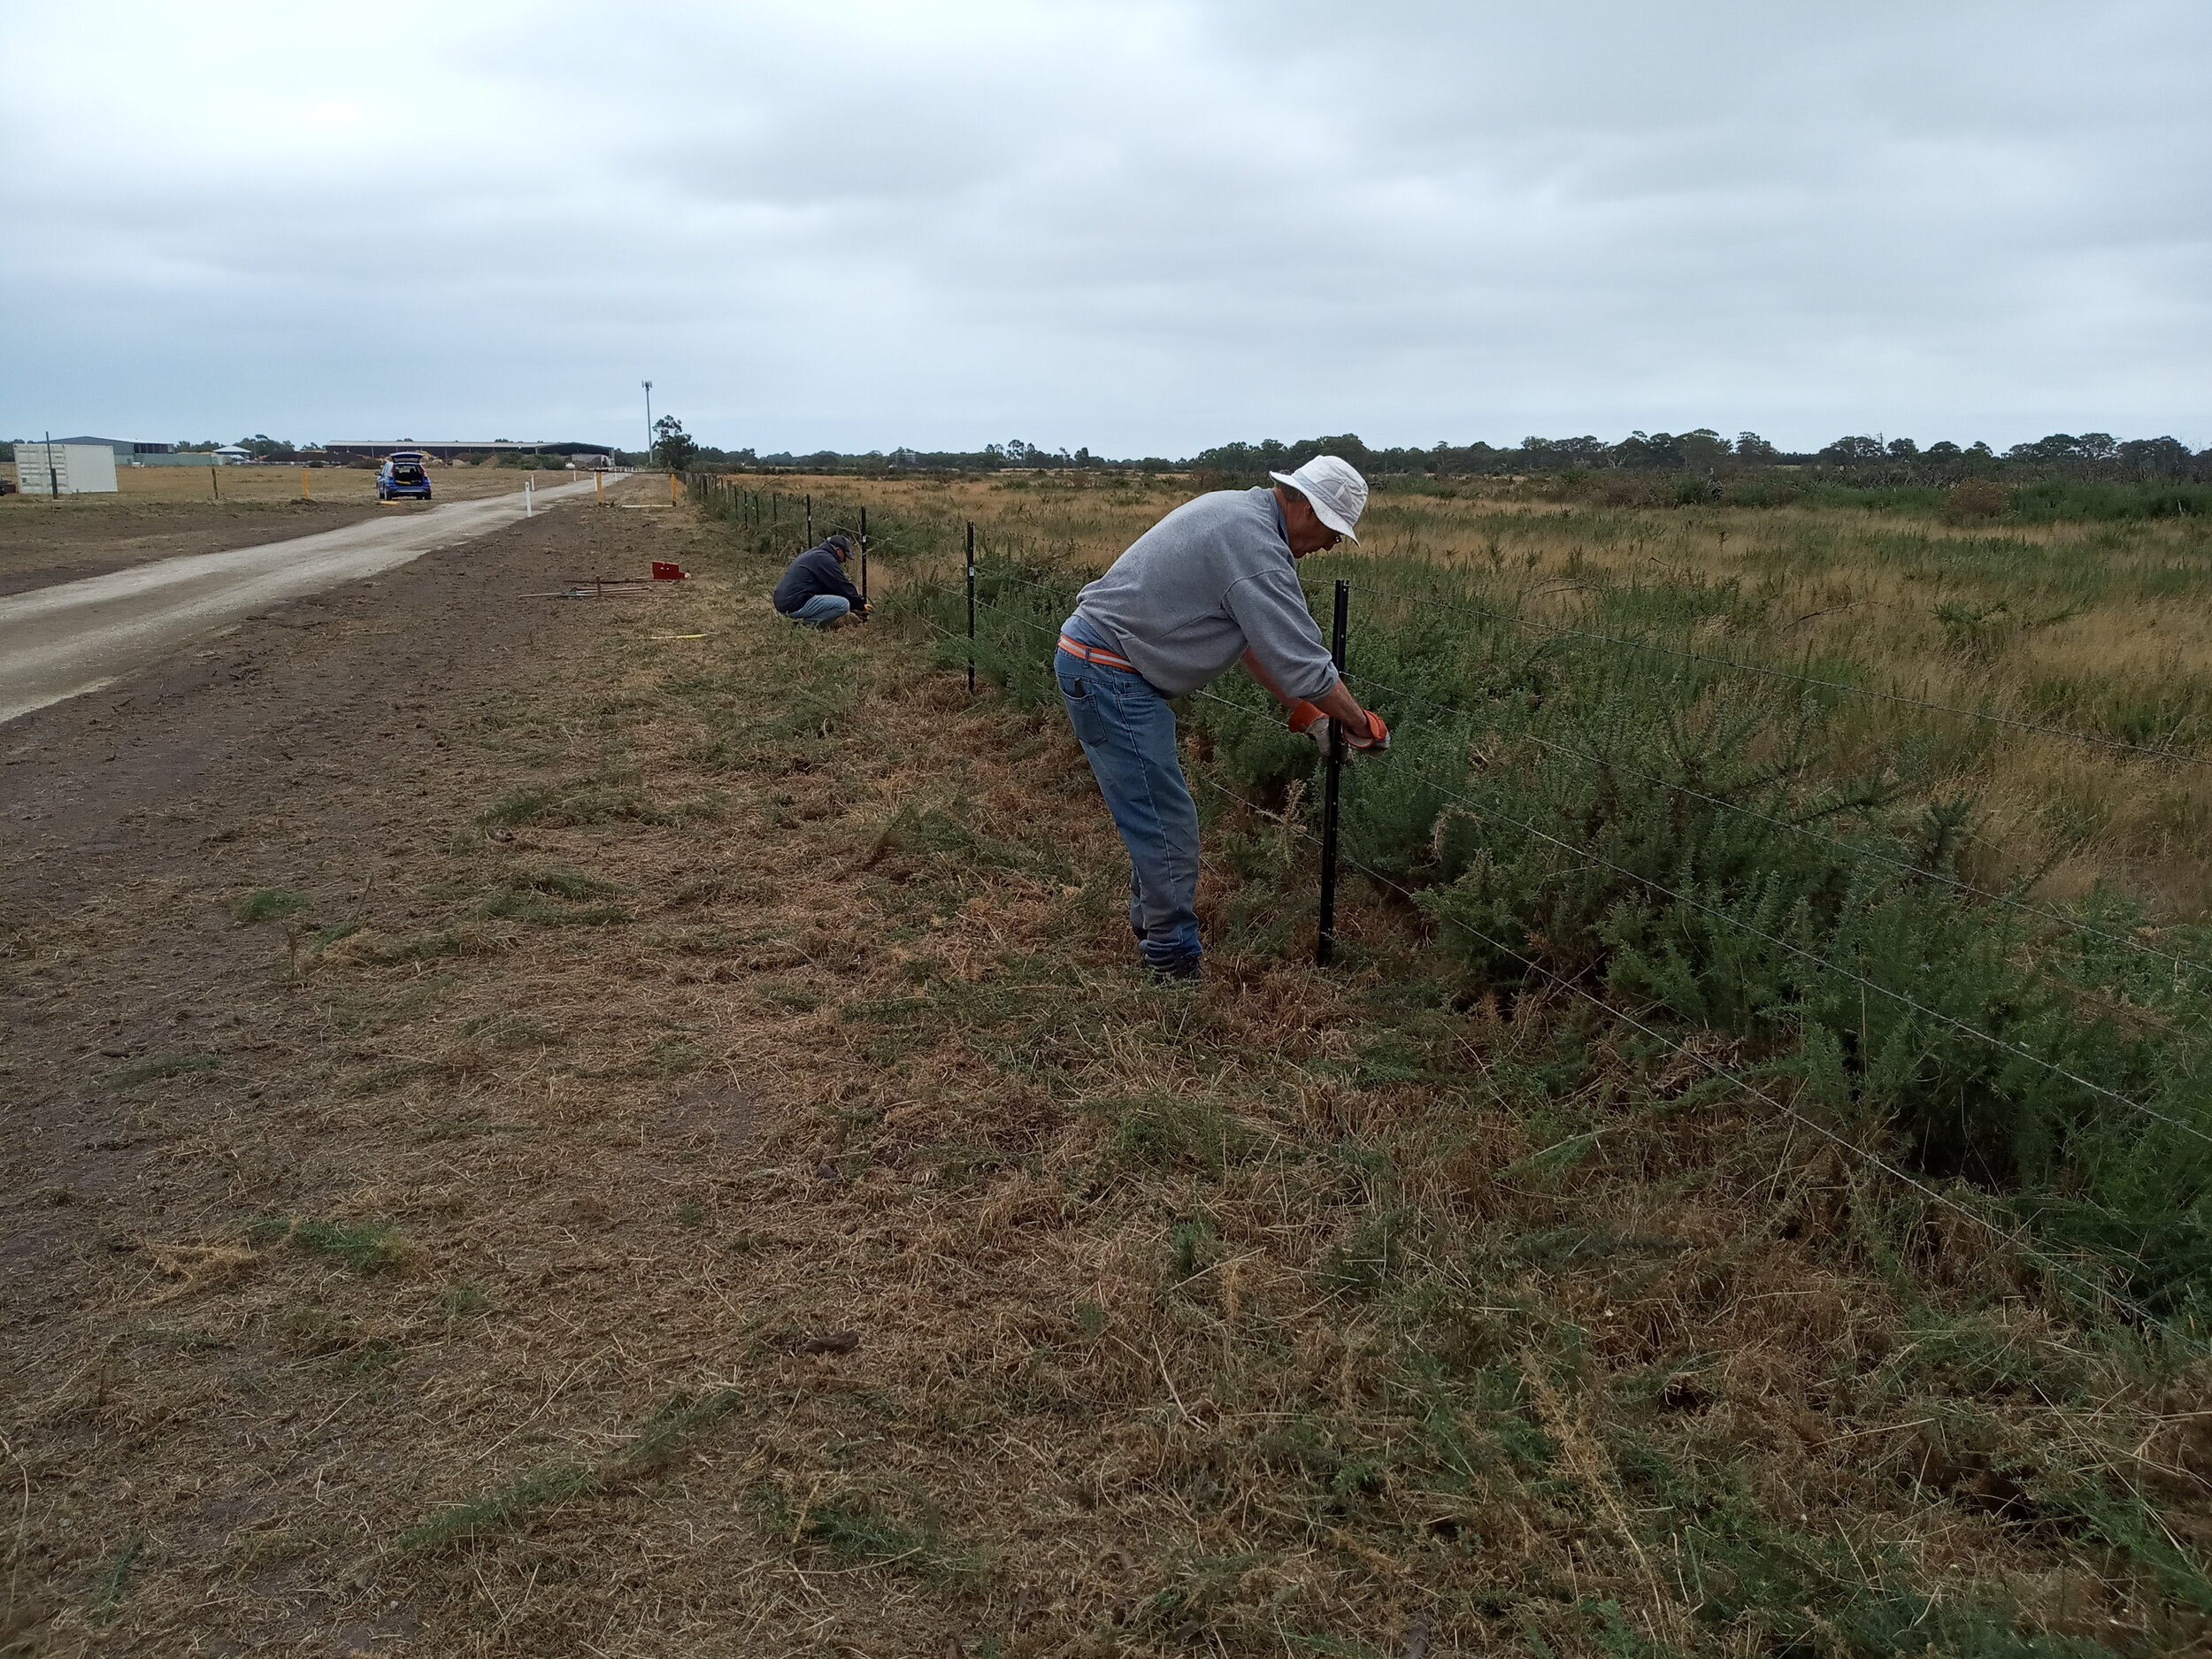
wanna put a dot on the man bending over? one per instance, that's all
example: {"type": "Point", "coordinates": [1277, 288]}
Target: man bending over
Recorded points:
{"type": "Point", "coordinates": [1213, 584]}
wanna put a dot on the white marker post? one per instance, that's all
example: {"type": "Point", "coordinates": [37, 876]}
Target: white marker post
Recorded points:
{"type": "Point", "coordinates": [527, 509]}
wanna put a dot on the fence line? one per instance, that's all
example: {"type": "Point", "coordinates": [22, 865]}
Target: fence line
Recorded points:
{"type": "Point", "coordinates": [1465, 804]}
{"type": "Point", "coordinates": [976, 602]}
{"type": "Point", "coordinates": [1954, 882]}
{"type": "Point", "coordinates": [1784, 673]}
{"type": "Point", "coordinates": [2097, 1290]}
{"type": "Point", "coordinates": [1913, 1003]}
{"type": "Point", "coordinates": [1782, 824]}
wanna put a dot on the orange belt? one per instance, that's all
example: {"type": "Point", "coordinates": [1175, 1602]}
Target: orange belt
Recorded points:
{"type": "Point", "coordinates": [1094, 654]}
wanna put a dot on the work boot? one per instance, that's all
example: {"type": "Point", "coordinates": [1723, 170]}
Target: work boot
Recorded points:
{"type": "Point", "coordinates": [1171, 970]}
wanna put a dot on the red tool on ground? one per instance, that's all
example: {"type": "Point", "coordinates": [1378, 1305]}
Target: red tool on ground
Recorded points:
{"type": "Point", "coordinates": [666, 572]}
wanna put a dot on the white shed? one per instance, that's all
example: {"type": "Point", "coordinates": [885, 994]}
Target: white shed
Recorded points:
{"type": "Point", "coordinates": [65, 469]}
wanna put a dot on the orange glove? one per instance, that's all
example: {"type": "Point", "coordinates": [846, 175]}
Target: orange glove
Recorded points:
{"type": "Point", "coordinates": [1306, 720]}
{"type": "Point", "coordinates": [1374, 740]}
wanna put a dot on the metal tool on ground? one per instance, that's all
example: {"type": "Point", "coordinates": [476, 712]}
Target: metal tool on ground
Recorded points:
{"type": "Point", "coordinates": [616, 587]}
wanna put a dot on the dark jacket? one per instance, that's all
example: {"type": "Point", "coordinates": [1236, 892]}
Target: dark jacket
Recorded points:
{"type": "Point", "coordinates": [816, 570]}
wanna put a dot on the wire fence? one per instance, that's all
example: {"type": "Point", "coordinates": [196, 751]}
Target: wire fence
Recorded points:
{"type": "Point", "coordinates": [964, 597]}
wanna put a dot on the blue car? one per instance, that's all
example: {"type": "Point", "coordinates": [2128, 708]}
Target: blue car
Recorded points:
{"type": "Point", "coordinates": [403, 475]}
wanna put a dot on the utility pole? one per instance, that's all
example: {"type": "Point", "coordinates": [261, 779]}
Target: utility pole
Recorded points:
{"type": "Point", "coordinates": [649, 423]}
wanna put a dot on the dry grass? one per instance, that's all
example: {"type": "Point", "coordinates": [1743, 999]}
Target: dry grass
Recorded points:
{"type": "Point", "coordinates": [848, 1253]}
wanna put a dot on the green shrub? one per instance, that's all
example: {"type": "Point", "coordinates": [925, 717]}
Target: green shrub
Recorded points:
{"type": "Point", "coordinates": [1686, 840]}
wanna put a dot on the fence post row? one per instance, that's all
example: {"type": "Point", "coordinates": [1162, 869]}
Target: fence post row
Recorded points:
{"type": "Point", "coordinates": [1324, 935]}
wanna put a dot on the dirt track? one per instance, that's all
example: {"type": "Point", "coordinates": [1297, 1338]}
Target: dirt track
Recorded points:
{"type": "Point", "coordinates": [66, 640]}
{"type": "Point", "coordinates": [39, 547]}
{"type": "Point", "coordinates": [308, 728]}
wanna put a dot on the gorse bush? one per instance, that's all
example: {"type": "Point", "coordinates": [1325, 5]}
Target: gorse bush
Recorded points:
{"type": "Point", "coordinates": [1710, 850]}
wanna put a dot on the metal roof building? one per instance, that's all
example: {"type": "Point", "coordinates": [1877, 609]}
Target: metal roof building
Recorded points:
{"type": "Point", "coordinates": [446, 449]}
{"type": "Point", "coordinates": [124, 447]}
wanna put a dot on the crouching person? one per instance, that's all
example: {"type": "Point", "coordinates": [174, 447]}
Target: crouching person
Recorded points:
{"type": "Point", "coordinates": [814, 589]}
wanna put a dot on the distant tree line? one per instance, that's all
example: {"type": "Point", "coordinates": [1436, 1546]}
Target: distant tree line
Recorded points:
{"type": "Point", "coordinates": [1863, 461]}
{"type": "Point", "coordinates": [1705, 453]}
{"type": "Point", "coordinates": [674, 447]}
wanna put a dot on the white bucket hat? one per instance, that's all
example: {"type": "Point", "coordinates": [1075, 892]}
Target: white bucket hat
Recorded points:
{"type": "Point", "coordinates": [1338, 493]}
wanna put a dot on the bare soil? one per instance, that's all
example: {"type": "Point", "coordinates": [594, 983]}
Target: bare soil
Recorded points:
{"type": "Point", "coordinates": [306, 748]}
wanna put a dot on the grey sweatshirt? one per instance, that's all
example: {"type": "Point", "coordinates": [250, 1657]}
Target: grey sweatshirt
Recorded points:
{"type": "Point", "coordinates": [1193, 591]}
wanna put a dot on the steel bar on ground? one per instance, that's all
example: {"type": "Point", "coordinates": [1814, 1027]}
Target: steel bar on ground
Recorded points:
{"type": "Point", "coordinates": [1324, 935]}
{"type": "Point", "coordinates": [971, 607]}
{"type": "Point", "coordinates": [864, 556]}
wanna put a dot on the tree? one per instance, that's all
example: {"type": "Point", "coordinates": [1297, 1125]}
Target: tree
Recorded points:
{"type": "Point", "coordinates": [2154, 458]}
{"type": "Point", "coordinates": [673, 447]}
{"type": "Point", "coordinates": [1852, 452]}
{"type": "Point", "coordinates": [1702, 450]}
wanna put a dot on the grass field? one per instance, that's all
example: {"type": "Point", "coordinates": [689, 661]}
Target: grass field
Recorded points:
{"type": "Point", "coordinates": [763, 1212]}
{"type": "Point", "coordinates": [2100, 627]}
{"type": "Point", "coordinates": [1951, 959]}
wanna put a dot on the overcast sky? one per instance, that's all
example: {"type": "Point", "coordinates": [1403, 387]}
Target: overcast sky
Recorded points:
{"type": "Point", "coordinates": [1140, 227]}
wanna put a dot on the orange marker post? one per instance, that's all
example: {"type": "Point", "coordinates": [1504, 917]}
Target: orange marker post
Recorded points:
{"type": "Point", "coordinates": [599, 486]}
{"type": "Point", "coordinates": [672, 489]}
{"type": "Point", "coordinates": [306, 494]}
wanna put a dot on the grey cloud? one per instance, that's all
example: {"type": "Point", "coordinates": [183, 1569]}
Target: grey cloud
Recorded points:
{"type": "Point", "coordinates": [1144, 228]}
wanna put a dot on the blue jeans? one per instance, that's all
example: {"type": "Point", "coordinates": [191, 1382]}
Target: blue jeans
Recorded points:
{"type": "Point", "coordinates": [1128, 735]}
{"type": "Point", "coordinates": [821, 612]}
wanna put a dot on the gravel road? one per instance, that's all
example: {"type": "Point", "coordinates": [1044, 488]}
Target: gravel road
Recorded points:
{"type": "Point", "coordinates": [74, 637]}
